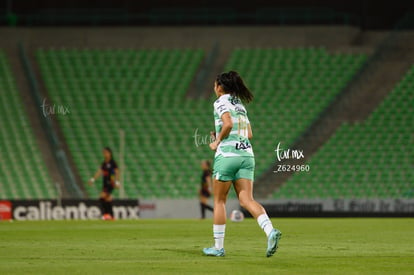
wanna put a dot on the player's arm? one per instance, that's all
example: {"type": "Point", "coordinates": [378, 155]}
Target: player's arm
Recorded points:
{"type": "Point", "coordinates": [117, 178]}
{"type": "Point", "coordinates": [212, 136]}
{"type": "Point", "coordinates": [97, 175]}
{"type": "Point", "coordinates": [225, 130]}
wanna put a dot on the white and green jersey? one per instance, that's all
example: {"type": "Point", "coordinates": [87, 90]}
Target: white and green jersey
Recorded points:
{"type": "Point", "coordinates": [237, 143]}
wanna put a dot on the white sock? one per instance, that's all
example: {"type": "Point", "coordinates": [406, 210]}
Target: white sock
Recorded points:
{"type": "Point", "coordinates": [265, 223]}
{"type": "Point", "coordinates": [218, 232]}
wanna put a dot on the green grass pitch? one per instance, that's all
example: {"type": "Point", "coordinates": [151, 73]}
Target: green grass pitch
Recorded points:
{"type": "Point", "coordinates": [308, 246]}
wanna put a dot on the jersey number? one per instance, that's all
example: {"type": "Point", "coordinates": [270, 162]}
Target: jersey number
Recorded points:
{"type": "Point", "coordinates": [242, 130]}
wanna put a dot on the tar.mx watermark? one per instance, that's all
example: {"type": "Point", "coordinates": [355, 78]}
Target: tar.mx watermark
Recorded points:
{"type": "Point", "coordinates": [54, 109]}
{"type": "Point", "coordinates": [202, 139]}
{"type": "Point", "coordinates": [286, 154]}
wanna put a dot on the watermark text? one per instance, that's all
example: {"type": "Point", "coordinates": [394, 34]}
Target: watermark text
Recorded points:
{"type": "Point", "coordinates": [54, 109]}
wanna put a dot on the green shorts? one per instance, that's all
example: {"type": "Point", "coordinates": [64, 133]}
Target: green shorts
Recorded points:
{"type": "Point", "coordinates": [233, 168]}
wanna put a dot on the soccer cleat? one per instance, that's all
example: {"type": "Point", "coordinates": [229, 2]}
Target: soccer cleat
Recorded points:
{"type": "Point", "coordinates": [107, 217]}
{"type": "Point", "coordinates": [212, 251]}
{"type": "Point", "coordinates": [272, 242]}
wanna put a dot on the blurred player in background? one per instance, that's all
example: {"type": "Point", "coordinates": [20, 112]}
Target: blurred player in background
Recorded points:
{"type": "Point", "coordinates": [234, 161]}
{"type": "Point", "coordinates": [204, 192]}
{"type": "Point", "coordinates": [110, 180]}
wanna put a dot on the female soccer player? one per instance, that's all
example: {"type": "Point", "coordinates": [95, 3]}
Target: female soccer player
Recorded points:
{"type": "Point", "coordinates": [204, 192]}
{"type": "Point", "coordinates": [234, 161]}
{"type": "Point", "coordinates": [110, 172]}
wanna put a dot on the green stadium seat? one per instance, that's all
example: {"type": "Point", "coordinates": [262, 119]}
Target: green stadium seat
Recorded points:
{"type": "Point", "coordinates": [24, 173]}
{"type": "Point", "coordinates": [282, 80]}
{"type": "Point", "coordinates": [141, 92]}
{"type": "Point", "coordinates": [372, 158]}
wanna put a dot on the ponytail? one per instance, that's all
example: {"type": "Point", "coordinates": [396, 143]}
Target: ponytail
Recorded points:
{"type": "Point", "coordinates": [233, 84]}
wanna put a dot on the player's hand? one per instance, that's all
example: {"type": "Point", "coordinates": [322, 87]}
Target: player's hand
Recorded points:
{"type": "Point", "coordinates": [117, 184]}
{"type": "Point", "coordinates": [214, 145]}
{"type": "Point", "coordinates": [212, 136]}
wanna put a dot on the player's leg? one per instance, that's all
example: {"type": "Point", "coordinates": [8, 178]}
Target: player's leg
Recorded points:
{"type": "Point", "coordinates": [102, 200]}
{"type": "Point", "coordinates": [221, 189]}
{"type": "Point", "coordinates": [109, 204]}
{"type": "Point", "coordinates": [244, 189]}
{"type": "Point", "coordinates": [208, 207]}
{"type": "Point", "coordinates": [205, 195]}
{"type": "Point", "coordinates": [223, 176]}
{"type": "Point", "coordinates": [202, 205]}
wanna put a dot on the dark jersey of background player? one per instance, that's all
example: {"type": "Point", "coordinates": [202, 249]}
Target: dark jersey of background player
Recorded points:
{"type": "Point", "coordinates": [110, 180]}
{"type": "Point", "coordinates": [204, 192]}
{"type": "Point", "coordinates": [108, 175]}
{"type": "Point", "coordinates": [205, 178]}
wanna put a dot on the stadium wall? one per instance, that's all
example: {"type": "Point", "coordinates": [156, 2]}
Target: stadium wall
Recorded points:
{"type": "Point", "coordinates": [77, 209]}
{"type": "Point", "coordinates": [339, 207]}
{"type": "Point", "coordinates": [21, 210]}
{"type": "Point", "coordinates": [187, 37]}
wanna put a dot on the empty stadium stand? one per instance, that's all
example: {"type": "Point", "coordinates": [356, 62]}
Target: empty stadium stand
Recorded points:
{"type": "Point", "coordinates": [291, 86]}
{"type": "Point", "coordinates": [22, 168]}
{"type": "Point", "coordinates": [369, 159]}
{"type": "Point", "coordinates": [143, 93]}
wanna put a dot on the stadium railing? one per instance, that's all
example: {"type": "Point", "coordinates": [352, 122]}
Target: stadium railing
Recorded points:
{"type": "Point", "coordinates": [59, 154]}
